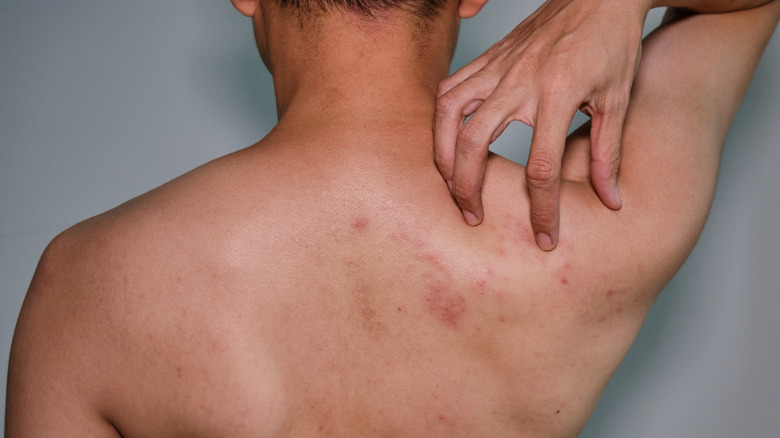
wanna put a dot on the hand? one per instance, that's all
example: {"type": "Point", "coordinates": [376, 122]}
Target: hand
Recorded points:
{"type": "Point", "coordinates": [569, 54]}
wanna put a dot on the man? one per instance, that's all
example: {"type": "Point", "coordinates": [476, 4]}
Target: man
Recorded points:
{"type": "Point", "coordinates": [322, 282]}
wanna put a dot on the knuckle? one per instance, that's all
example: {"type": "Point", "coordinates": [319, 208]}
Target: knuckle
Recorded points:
{"type": "Point", "coordinates": [447, 104]}
{"type": "Point", "coordinates": [613, 105]}
{"type": "Point", "coordinates": [610, 153]}
{"type": "Point", "coordinates": [542, 172]}
{"type": "Point", "coordinates": [471, 137]}
{"type": "Point", "coordinates": [613, 155]}
{"type": "Point", "coordinates": [464, 191]}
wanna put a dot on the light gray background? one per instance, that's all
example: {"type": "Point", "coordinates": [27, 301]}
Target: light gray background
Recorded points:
{"type": "Point", "coordinates": [103, 100]}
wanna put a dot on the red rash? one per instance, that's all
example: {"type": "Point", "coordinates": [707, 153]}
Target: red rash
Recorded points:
{"type": "Point", "coordinates": [444, 304]}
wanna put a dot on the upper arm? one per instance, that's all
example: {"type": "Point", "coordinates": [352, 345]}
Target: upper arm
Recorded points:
{"type": "Point", "coordinates": [54, 381]}
{"type": "Point", "coordinates": [691, 80]}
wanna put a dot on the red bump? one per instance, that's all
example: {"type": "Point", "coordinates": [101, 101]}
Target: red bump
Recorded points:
{"type": "Point", "coordinates": [360, 223]}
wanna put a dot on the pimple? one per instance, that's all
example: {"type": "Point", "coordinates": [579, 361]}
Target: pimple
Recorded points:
{"type": "Point", "coordinates": [360, 223]}
{"type": "Point", "coordinates": [564, 281]}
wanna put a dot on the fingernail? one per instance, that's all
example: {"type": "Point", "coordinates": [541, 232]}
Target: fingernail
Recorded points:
{"type": "Point", "coordinates": [544, 241]}
{"type": "Point", "coordinates": [470, 217]}
{"type": "Point", "coordinates": [617, 197]}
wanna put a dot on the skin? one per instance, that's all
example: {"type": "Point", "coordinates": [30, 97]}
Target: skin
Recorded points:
{"type": "Point", "coordinates": [233, 301]}
{"type": "Point", "coordinates": [527, 76]}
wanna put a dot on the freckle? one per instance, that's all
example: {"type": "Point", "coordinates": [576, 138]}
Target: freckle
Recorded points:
{"type": "Point", "coordinates": [558, 411]}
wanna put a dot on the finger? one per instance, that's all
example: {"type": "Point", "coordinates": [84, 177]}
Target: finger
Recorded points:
{"type": "Point", "coordinates": [451, 110]}
{"type": "Point", "coordinates": [472, 147]}
{"type": "Point", "coordinates": [606, 134]}
{"type": "Point", "coordinates": [543, 171]}
{"type": "Point", "coordinates": [463, 74]}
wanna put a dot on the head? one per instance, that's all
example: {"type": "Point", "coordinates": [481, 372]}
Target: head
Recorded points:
{"type": "Point", "coordinates": [421, 16]}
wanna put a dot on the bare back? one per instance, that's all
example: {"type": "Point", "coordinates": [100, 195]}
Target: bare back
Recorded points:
{"type": "Point", "coordinates": [243, 305]}
{"type": "Point", "coordinates": [323, 283]}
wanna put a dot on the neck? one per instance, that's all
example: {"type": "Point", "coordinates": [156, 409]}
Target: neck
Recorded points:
{"type": "Point", "coordinates": [352, 70]}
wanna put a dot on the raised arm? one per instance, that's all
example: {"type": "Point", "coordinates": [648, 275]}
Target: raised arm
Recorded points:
{"type": "Point", "coordinates": [569, 54]}
{"type": "Point", "coordinates": [694, 73]}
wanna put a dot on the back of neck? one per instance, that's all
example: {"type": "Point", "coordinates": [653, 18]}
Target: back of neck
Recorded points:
{"type": "Point", "coordinates": [352, 69]}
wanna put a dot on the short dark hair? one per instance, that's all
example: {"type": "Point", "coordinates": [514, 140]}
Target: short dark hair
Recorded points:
{"type": "Point", "coordinates": [422, 9]}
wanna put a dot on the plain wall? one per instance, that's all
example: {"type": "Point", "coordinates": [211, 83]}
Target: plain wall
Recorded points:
{"type": "Point", "coordinates": [103, 100]}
